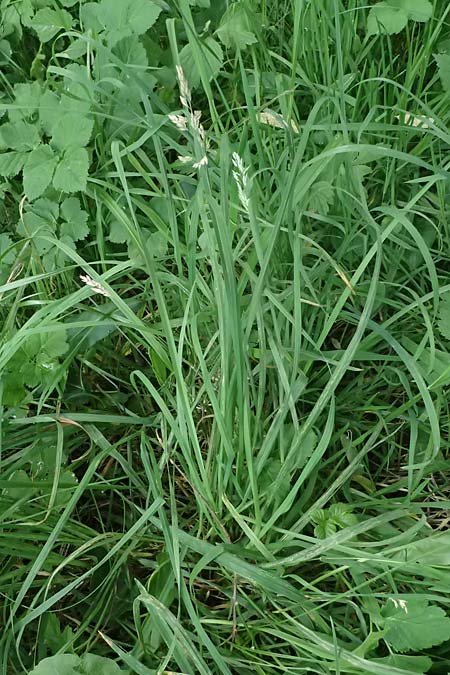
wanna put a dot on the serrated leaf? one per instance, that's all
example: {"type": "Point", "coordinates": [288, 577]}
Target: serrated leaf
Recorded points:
{"type": "Point", "coordinates": [19, 485]}
{"type": "Point", "coordinates": [130, 50]}
{"type": "Point", "coordinates": [75, 226]}
{"type": "Point", "coordinates": [72, 171]}
{"type": "Point", "coordinates": [444, 317]}
{"type": "Point", "coordinates": [5, 52]}
{"type": "Point", "coordinates": [26, 101]}
{"type": "Point", "coordinates": [7, 255]}
{"type": "Point", "coordinates": [236, 29]}
{"type": "Point", "coordinates": [213, 60]}
{"type": "Point", "coordinates": [118, 233]}
{"type": "Point", "coordinates": [69, 664]}
{"type": "Point", "coordinates": [91, 664]}
{"type": "Point", "coordinates": [384, 18]}
{"type": "Point", "coordinates": [72, 130]}
{"type": "Point", "coordinates": [128, 17]}
{"type": "Point", "coordinates": [443, 64]}
{"type": "Point", "coordinates": [61, 664]}
{"type": "Point", "coordinates": [20, 135]}
{"type": "Point", "coordinates": [417, 10]}
{"type": "Point", "coordinates": [320, 197]}
{"type": "Point", "coordinates": [54, 344]}
{"type": "Point", "coordinates": [38, 171]}
{"type": "Point", "coordinates": [415, 625]}
{"type": "Point", "coordinates": [410, 664]}
{"type": "Point", "coordinates": [49, 112]}
{"type": "Point", "coordinates": [11, 163]}
{"type": "Point", "coordinates": [48, 22]}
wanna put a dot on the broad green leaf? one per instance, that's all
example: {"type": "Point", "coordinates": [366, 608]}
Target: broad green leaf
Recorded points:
{"type": "Point", "coordinates": [20, 135]}
{"type": "Point", "coordinates": [20, 485]}
{"type": "Point", "coordinates": [49, 113]}
{"type": "Point", "coordinates": [61, 664]}
{"type": "Point", "coordinates": [417, 10]}
{"type": "Point", "coordinates": [54, 345]}
{"type": "Point", "coordinates": [72, 171]}
{"type": "Point", "coordinates": [213, 60]}
{"type": "Point", "coordinates": [236, 29]}
{"type": "Point", "coordinates": [130, 50]}
{"type": "Point", "coordinates": [391, 16]}
{"type": "Point", "coordinates": [72, 130]}
{"type": "Point", "coordinates": [444, 317]}
{"type": "Point", "coordinates": [118, 233]}
{"type": "Point", "coordinates": [443, 64]}
{"type": "Point", "coordinates": [38, 171]}
{"type": "Point", "coordinates": [75, 225]}
{"type": "Point", "coordinates": [7, 252]}
{"type": "Point", "coordinates": [26, 101]}
{"type": "Point", "coordinates": [54, 637]}
{"type": "Point", "coordinates": [69, 664]}
{"type": "Point", "coordinates": [11, 163]}
{"type": "Point", "coordinates": [384, 18]}
{"type": "Point", "coordinates": [413, 624]}
{"type": "Point", "coordinates": [412, 664]}
{"type": "Point", "coordinates": [128, 17]}
{"type": "Point", "coordinates": [5, 52]}
{"type": "Point", "coordinates": [48, 22]}
{"type": "Point", "coordinates": [320, 197]}
{"type": "Point", "coordinates": [91, 664]}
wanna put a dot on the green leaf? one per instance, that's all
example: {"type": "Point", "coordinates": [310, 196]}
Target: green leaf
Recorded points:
{"type": "Point", "coordinates": [118, 233]}
{"type": "Point", "coordinates": [418, 10]}
{"type": "Point", "coordinates": [20, 135]}
{"type": "Point", "coordinates": [443, 64]}
{"type": "Point", "coordinates": [20, 485]}
{"type": "Point", "coordinates": [124, 18]}
{"type": "Point", "coordinates": [392, 16]}
{"type": "Point", "coordinates": [38, 171]}
{"type": "Point", "coordinates": [235, 29]}
{"type": "Point", "coordinates": [410, 664]}
{"type": "Point", "coordinates": [413, 624]}
{"type": "Point", "coordinates": [75, 225]}
{"type": "Point", "coordinates": [54, 345]}
{"type": "Point", "coordinates": [320, 197]}
{"type": "Point", "coordinates": [54, 637]}
{"type": "Point", "coordinates": [72, 171]}
{"type": "Point", "coordinates": [11, 163]}
{"type": "Point", "coordinates": [91, 664]}
{"type": "Point", "coordinates": [444, 317]}
{"type": "Point", "coordinates": [48, 22]}
{"type": "Point", "coordinates": [49, 113]}
{"type": "Point", "coordinates": [384, 18]}
{"type": "Point", "coordinates": [72, 130]}
{"type": "Point", "coordinates": [26, 101]}
{"type": "Point", "coordinates": [213, 60]}
{"type": "Point", "coordinates": [61, 664]}
{"type": "Point", "coordinates": [69, 664]}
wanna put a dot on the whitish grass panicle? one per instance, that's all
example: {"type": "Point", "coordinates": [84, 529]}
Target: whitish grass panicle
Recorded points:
{"type": "Point", "coordinates": [240, 175]}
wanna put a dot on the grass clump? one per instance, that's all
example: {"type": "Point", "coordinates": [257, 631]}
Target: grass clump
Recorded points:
{"type": "Point", "coordinates": [225, 335]}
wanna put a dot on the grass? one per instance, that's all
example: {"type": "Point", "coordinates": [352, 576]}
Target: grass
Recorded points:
{"type": "Point", "coordinates": [239, 460]}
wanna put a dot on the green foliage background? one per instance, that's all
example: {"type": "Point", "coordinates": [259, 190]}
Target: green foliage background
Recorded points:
{"type": "Point", "coordinates": [224, 346]}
